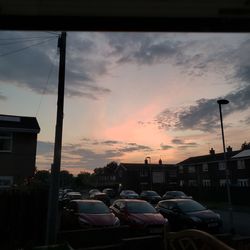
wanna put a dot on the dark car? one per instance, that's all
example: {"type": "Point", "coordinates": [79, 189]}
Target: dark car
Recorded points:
{"type": "Point", "coordinates": [128, 194]}
{"type": "Point", "coordinates": [139, 214]}
{"type": "Point", "coordinates": [87, 213]}
{"type": "Point", "coordinates": [95, 194]}
{"type": "Point", "coordinates": [150, 196]}
{"type": "Point", "coordinates": [187, 213]}
{"type": "Point", "coordinates": [110, 192]}
{"type": "Point", "coordinates": [70, 196]}
{"type": "Point", "coordinates": [175, 195]}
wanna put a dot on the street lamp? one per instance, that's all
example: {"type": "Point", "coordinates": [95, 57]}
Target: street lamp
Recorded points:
{"type": "Point", "coordinates": [224, 102]}
{"type": "Point", "coordinates": [150, 171]}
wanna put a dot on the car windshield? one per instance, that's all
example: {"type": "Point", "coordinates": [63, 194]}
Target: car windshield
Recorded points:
{"type": "Point", "coordinates": [151, 193]}
{"type": "Point", "coordinates": [140, 207]}
{"type": "Point", "coordinates": [189, 206]}
{"type": "Point", "coordinates": [129, 192]}
{"type": "Point", "coordinates": [176, 193]}
{"type": "Point", "coordinates": [93, 208]}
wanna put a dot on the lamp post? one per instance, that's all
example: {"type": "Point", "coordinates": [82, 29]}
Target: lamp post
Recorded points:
{"type": "Point", "coordinates": [150, 171]}
{"type": "Point", "coordinates": [224, 102]}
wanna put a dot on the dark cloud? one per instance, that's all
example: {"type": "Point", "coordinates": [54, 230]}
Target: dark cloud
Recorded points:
{"type": "Point", "coordinates": [133, 148]}
{"type": "Point", "coordinates": [204, 114]}
{"type": "Point", "coordinates": [45, 148]}
{"type": "Point", "coordinates": [165, 147]}
{"type": "Point", "coordinates": [177, 141]}
{"type": "Point", "coordinates": [78, 155]}
{"type": "Point", "coordinates": [3, 97]}
{"type": "Point", "coordinates": [110, 142]}
{"type": "Point", "coordinates": [33, 67]}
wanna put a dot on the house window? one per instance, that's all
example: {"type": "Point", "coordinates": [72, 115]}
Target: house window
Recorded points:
{"type": "Point", "coordinates": [206, 183]}
{"type": "Point", "coordinates": [172, 173]}
{"type": "Point", "coordinates": [204, 167]}
{"type": "Point", "coordinates": [5, 142]}
{"type": "Point", "coordinates": [6, 181]}
{"type": "Point", "coordinates": [241, 164]}
{"type": "Point", "coordinates": [242, 182]}
{"type": "Point", "coordinates": [181, 183]}
{"type": "Point", "coordinates": [192, 183]}
{"type": "Point", "coordinates": [144, 172]}
{"type": "Point", "coordinates": [191, 169]}
{"type": "Point", "coordinates": [223, 182]}
{"type": "Point", "coordinates": [222, 166]}
{"type": "Point", "coordinates": [180, 169]}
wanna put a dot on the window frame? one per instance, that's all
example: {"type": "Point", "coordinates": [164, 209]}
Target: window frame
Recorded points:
{"type": "Point", "coordinates": [8, 136]}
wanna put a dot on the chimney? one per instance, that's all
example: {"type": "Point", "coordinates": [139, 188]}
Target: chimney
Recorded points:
{"type": "Point", "coordinates": [146, 161]}
{"type": "Point", "coordinates": [229, 149]}
{"type": "Point", "coordinates": [160, 162]}
{"type": "Point", "coordinates": [211, 151]}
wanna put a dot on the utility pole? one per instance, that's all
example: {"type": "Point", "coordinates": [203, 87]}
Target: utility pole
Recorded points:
{"type": "Point", "coordinates": [52, 216]}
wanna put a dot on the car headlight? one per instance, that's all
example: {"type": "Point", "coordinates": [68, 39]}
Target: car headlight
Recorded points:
{"type": "Point", "coordinates": [166, 221]}
{"type": "Point", "coordinates": [83, 221]}
{"type": "Point", "coordinates": [218, 215]}
{"type": "Point", "coordinates": [195, 219]}
{"type": "Point", "coordinates": [117, 222]}
{"type": "Point", "coordinates": [136, 221]}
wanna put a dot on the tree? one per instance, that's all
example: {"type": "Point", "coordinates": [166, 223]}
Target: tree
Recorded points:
{"type": "Point", "coordinates": [245, 145]}
{"type": "Point", "coordinates": [42, 176]}
{"type": "Point", "coordinates": [66, 179]}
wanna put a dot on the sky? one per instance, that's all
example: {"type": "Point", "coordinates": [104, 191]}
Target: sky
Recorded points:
{"type": "Point", "coordinates": [129, 95]}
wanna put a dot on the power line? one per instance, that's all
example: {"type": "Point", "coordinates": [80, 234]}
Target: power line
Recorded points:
{"type": "Point", "coordinates": [18, 50]}
{"type": "Point", "coordinates": [24, 38]}
{"type": "Point", "coordinates": [50, 32]}
{"type": "Point", "coordinates": [22, 41]}
{"type": "Point", "coordinates": [46, 84]}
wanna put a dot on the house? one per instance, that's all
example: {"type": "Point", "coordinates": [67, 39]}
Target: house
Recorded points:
{"type": "Point", "coordinates": [139, 176]}
{"type": "Point", "coordinates": [210, 170]}
{"type": "Point", "coordinates": [18, 141]}
{"type": "Point", "coordinates": [241, 169]}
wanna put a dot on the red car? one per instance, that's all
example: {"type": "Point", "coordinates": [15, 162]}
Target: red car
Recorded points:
{"type": "Point", "coordinates": [139, 214]}
{"type": "Point", "coordinates": [88, 213]}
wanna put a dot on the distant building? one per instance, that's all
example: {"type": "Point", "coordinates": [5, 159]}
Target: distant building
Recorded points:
{"type": "Point", "coordinates": [139, 176]}
{"type": "Point", "coordinates": [18, 141]}
{"type": "Point", "coordinates": [210, 170]}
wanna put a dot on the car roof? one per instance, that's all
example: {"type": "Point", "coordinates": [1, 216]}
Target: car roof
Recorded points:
{"type": "Point", "coordinates": [131, 200]}
{"type": "Point", "coordinates": [74, 193]}
{"type": "Point", "coordinates": [176, 200]}
{"type": "Point", "coordinates": [87, 201]}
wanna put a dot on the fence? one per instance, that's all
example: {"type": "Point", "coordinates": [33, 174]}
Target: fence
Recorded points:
{"type": "Point", "coordinates": [23, 218]}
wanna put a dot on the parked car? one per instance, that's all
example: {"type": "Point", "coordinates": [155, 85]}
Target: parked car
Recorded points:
{"type": "Point", "coordinates": [70, 196]}
{"type": "Point", "coordinates": [150, 196]}
{"type": "Point", "coordinates": [128, 194]}
{"type": "Point", "coordinates": [139, 214]}
{"type": "Point", "coordinates": [98, 195]}
{"type": "Point", "coordinates": [187, 213]}
{"type": "Point", "coordinates": [110, 192]}
{"type": "Point", "coordinates": [88, 213]}
{"type": "Point", "coordinates": [175, 195]}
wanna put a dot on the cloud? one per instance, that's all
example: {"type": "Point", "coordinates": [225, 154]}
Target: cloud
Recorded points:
{"type": "Point", "coordinates": [204, 114]}
{"type": "Point", "coordinates": [166, 147]}
{"type": "Point", "coordinates": [33, 67]}
{"type": "Point", "coordinates": [84, 156]}
{"type": "Point", "coordinates": [3, 97]}
{"type": "Point", "coordinates": [182, 144]}
{"type": "Point", "coordinates": [45, 148]}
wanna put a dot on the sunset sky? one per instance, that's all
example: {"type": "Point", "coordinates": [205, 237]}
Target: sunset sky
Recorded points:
{"type": "Point", "coordinates": [129, 95]}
